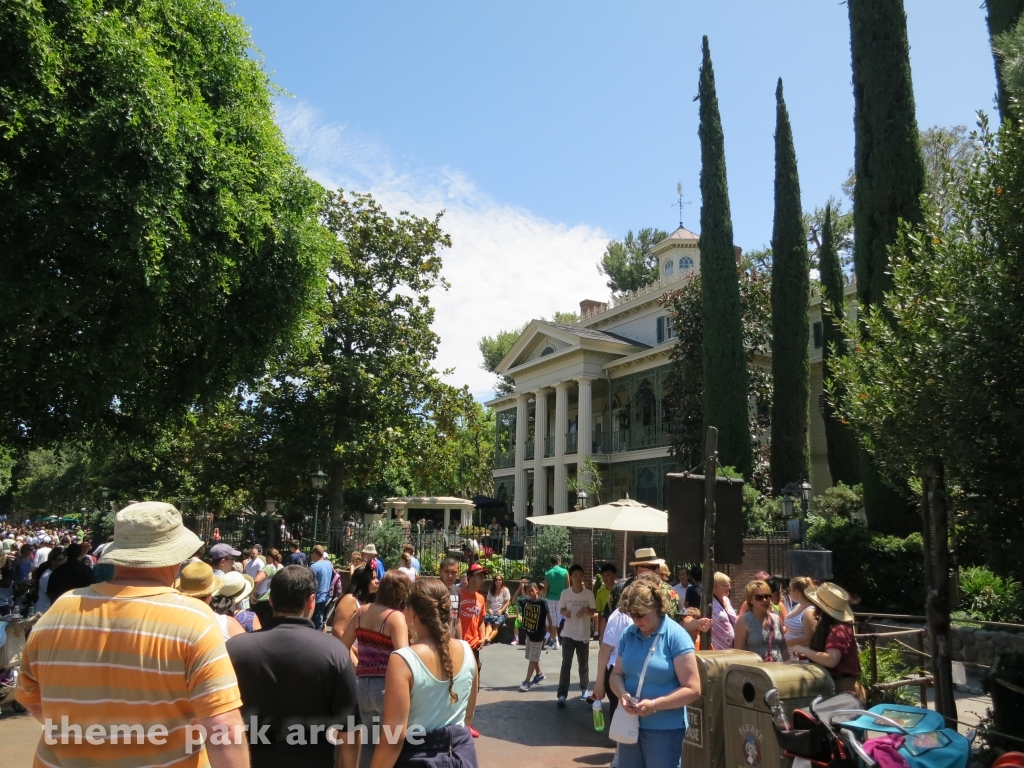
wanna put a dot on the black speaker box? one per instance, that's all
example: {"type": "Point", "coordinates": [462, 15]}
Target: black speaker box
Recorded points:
{"type": "Point", "coordinates": [684, 500]}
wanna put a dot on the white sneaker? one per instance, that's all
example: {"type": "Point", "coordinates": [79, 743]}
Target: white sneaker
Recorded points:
{"type": "Point", "coordinates": [557, 646]}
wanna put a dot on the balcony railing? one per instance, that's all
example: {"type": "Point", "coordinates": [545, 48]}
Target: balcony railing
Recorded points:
{"type": "Point", "coordinates": [549, 446]}
{"type": "Point", "coordinates": [504, 460]}
{"type": "Point", "coordinates": [570, 442]}
{"type": "Point", "coordinates": [620, 441]}
{"type": "Point", "coordinates": [600, 443]}
{"type": "Point", "coordinates": [529, 450]}
{"type": "Point", "coordinates": [638, 438]}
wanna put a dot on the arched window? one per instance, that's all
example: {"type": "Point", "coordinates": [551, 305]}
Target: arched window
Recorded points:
{"type": "Point", "coordinates": [670, 267]}
{"type": "Point", "coordinates": [647, 488]}
{"type": "Point", "coordinates": [549, 349]}
{"type": "Point", "coordinates": [685, 264]}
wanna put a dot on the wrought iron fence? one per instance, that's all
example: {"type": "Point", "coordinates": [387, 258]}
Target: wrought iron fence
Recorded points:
{"type": "Point", "coordinates": [570, 442]}
{"type": "Point", "coordinates": [504, 460]}
{"type": "Point", "coordinates": [549, 446]}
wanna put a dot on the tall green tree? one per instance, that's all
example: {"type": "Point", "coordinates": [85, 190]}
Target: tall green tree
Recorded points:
{"type": "Point", "coordinates": [725, 375]}
{"type": "Point", "coordinates": [494, 348]}
{"type": "Point", "coordinates": [843, 461]}
{"type": "Point", "coordinates": [890, 178]}
{"type": "Point", "coordinates": [1009, 49]}
{"type": "Point", "coordinates": [629, 263]}
{"type": "Point", "coordinates": [791, 292]}
{"type": "Point", "coordinates": [157, 241]}
{"type": "Point", "coordinates": [1003, 16]}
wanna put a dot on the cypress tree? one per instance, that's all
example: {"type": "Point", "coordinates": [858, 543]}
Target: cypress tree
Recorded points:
{"type": "Point", "coordinates": [725, 371]}
{"type": "Point", "coordinates": [1002, 15]}
{"type": "Point", "coordinates": [842, 443]}
{"type": "Point", "coordinates": [889, 182]}
{"type": "Point", "coordinates": [791, 291]}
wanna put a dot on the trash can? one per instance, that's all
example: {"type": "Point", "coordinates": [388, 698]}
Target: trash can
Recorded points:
{"type": "Point", "coordinates": [749, 738]}
{"type": "Point", "coordinates": [704, 746]}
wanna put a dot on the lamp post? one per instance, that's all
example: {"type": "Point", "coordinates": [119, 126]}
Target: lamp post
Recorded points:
{"type": "Point", "coordinates": [269, 505]}
{"type": "Point", "coordinates": [317, 479]}
{"type": "Point", "coordinates": [581, 499]}
{"type": "Point", "coordinates": [797, 525]}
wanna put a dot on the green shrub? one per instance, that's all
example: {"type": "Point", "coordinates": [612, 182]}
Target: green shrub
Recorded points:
{"type": "Point", "coordinates": [510, 570]}
{"type": "Point", "coordinates": [388, 537]}
{"type": "Point", "coordinates": [891, 667]}
{"type": "Point", "coordinates": [988, 597]}
{"type": "Point", "coordinates": [840, 501]}
{"type": "Point", "coordinates": [886, 572]}
{"type": "Point", "coordinates": [550, 540]}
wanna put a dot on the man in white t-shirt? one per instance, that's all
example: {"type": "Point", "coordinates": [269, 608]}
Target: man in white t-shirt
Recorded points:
{"type": "Point", "coordinates": [618, 622]}
{"type": "Point", "coordinates": [578, 606]}
{"type": "Point", "coordinates": [43, 553]}
{"type": "Point", "coordinates": [255, 563]}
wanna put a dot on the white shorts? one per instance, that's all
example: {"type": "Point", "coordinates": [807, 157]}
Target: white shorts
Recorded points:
{"type": "Point", "coordinates": [554, 613]}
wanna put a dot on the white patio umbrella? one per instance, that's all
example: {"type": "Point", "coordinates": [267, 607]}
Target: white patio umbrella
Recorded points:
{"type": "Point", "coordinates": [623, 515]}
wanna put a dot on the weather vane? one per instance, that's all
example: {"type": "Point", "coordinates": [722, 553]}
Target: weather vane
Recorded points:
{"type": "Point", "coordinates": [681, 203]}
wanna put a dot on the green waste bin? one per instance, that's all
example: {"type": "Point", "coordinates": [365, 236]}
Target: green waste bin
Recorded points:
{"type": "Point", "coordinates": [704, 746]}
{"type": "Point", "coordinates": [749, 738]}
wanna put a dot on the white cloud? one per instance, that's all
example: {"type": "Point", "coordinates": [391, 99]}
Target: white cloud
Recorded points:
{"type": "Point", "coordinates": [506, 265]}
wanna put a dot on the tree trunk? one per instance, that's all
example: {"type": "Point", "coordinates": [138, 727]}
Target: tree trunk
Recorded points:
{"type": "Point", "coordinates": [937, 602]}
{"type": "Point", "coordinates": [710, 471]}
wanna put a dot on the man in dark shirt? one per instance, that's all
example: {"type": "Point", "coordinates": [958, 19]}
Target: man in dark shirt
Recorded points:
{"type": "Point", "coordinates": [296, 683]}
{"type": "Point", "coordinates": [73, 574]}
{"type": "Point", "coordinates": [694, 592]}
{"type": "Point", "coordinates": [297, 557]}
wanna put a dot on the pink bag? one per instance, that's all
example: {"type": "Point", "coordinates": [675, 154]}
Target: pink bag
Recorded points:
{"type": "Point", "coordinates": [885, 751]}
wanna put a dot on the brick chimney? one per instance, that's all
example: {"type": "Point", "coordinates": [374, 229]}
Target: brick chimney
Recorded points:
{"type": "Point", "coordinates": [739, 254]}
{"type": "Point", "coordinates": [589, 306]}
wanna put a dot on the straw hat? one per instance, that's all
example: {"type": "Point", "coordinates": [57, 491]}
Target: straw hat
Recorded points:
{"type": "Point", "coordinates": [197, 580]}
{"type": "Point", "coordinates": [370, 549]}
{"type": "Point", "coordinates": [833, 600]}
{"type": "Point", "coordinates": [648, 557]}
{"type": "Point", "coordinates": [237, 586]}
{"type": "Point", "coordinates": [150, 534]}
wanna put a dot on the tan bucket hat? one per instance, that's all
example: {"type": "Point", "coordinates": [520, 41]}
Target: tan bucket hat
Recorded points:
{"type": "Point", "coordinates": [197, 580]}
{"type": "Point", "coordinates": [150, 534]}
{"type": "Point", "coordinates": [647, 556]}
{"type": "Point", "coordinates": [833, 600]}
{"type": "Point", "coordinates": [235, 585]}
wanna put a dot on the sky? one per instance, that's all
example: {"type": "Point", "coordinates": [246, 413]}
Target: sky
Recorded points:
{"type": "Point", "coordinates": [545, 129]}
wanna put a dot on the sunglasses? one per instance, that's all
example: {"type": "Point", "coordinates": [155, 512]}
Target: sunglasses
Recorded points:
{"type": "Point", "coordinates": [637, 616]}
{"type": "Point", "coordinates": [762, 597]}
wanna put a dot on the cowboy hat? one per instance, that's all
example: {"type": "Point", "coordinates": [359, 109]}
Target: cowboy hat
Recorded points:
{"type": "Point", "coordinates": [833, 600]}
{"type": "Point", "coordinates": [150, 534]}
{"type": "Point", "coordinates": [197, 580]}
{"type": "Point", "coordinates": [647, 557]}
{"type": "Point", "coordinates": [370, 549]}
{"type": "Point", "coordinates": [237, 586]}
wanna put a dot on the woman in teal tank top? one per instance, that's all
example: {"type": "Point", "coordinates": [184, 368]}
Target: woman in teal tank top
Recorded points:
{"type": "Point", "coordinates": [430, 688]}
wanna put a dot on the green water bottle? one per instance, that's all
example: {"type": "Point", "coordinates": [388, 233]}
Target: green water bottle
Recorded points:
{"type": "Point", "coordinates": [598, 716]}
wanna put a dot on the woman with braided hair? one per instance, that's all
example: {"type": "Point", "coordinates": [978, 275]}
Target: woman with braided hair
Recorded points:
{"type": "Point", "coordinates": [430, 687]}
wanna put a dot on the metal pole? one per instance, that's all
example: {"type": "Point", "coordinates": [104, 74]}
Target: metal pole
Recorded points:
{"type": "Point", "coordinates": [710, 467]}
{"type": "Point", "coordinates": [316, 515]}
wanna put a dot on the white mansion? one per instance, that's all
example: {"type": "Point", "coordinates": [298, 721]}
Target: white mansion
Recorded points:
{"type": "Point", "coordinates": [596, 388]}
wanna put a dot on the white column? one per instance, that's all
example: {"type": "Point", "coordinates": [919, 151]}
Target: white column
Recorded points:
{"type": "Point", "coordinates": [585, 419]}
{"type": "Point", "coordinates": [519, 495]}
{"type": "Point", "coordinates": [561, 418]}
{"type": "Point", "coordinates": [540, 473]}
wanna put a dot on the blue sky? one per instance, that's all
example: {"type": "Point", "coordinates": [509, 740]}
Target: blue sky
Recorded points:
{"type": "Point", "coordinates": [544, 129]}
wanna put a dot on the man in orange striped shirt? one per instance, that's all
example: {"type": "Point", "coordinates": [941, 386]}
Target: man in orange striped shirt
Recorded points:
{"type": "Point", "coordinates": [130, 672]}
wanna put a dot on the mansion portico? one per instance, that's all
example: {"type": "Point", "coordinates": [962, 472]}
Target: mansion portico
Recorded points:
{"type": "Point", "coordinates": [597, 388]}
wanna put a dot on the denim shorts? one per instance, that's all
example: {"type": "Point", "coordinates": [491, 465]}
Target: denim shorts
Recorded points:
{"type": "Point", "coordinates": [654, 749]}
{"type": "Point", "coordinates": [371, 698]}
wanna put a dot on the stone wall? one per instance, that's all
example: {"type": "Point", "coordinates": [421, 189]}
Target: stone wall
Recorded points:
{"type": "Point", "coordinates": [981, 646]}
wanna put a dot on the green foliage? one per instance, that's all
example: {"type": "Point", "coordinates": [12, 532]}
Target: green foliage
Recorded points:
{"type": "Point", "coordinates": [840, 225]}
{"type": "Point", "coordinates": [101, 526]}
{"type": "Point", "coordinates": [55, 482]}
{"type": "Point", "coordinates": [938, 374]}
{"type": "Point", "coordinates": [887, 572]}
{"type": "Point", "coordinates": [1009, 48]}
{"type": "Point", "coordinates": [159, 243]}
{"type": "Point", "coordinates": [550, 540]}
{"type": "Point", "coordinates": [388, 537]}
{"type": "Point", "coordinates": [890, 666]}
{"type": "Point", "coordinates": [791, 292]}
{"type": "Point", "coordinates": [629, 263]}
{"type": "Point", "coordinates": [588, 480]}
{"type": "Point", "coordinates": [686, 377]}
{"type": "Point", "coordinates": [724, 360]}
{"type": "Point", "coordinates": [843, 461]}
{"type": "Point", "coordinates": [988, 597]}
{"type": "Point", "coordinates": [890, 178]}
{"type": "Point", "coordinates": [510, 570]}
{"type": "Point", "coordinates": [1003, 17]}
{"type": "Point", "coordinates": [840, 500]}
{"type": "Point", "coordinates": [493, 349]}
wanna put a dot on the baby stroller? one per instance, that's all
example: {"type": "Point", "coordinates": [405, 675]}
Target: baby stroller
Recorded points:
{"type": "Point", "coordinates": [839, 733]}
{"type": "Point", "coordinates": [13, 636]}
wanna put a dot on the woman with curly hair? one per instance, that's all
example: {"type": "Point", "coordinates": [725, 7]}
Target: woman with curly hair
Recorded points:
{"type": "Point", "coordinates": [431, 684]}
{"type": "Point", "coordinates": [671, 680]}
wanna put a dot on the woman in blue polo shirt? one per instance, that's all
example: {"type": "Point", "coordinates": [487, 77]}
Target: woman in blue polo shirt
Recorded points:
{"type": "Point", "coordinates": [671, 681]}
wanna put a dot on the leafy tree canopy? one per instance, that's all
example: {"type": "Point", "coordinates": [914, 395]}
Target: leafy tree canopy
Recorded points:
{"type": "Point", "coordinates": [494, 348]}
{"type": "Point", "coordinates": [629, 263]}
{"type": "Point", "coordinates": [157, 241]}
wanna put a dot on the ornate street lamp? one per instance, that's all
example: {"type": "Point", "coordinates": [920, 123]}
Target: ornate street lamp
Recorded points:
{"type": "Point", "coordinates": [581, 499]}
{"type": "Point", "coordinates": [317, 479]}
{"type": "Point", "coordinates": [183, 505]}
{"type": "Point", "coordinates": [797, 525]}
{"type": "Point", "coordinates": [270, 505]}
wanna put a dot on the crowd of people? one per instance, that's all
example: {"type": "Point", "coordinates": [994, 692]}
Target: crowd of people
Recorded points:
{"type": "Point", "coordinates": [154, 617]}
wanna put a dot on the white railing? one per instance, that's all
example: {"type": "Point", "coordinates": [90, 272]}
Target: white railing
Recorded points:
{"type": "Point", "coordinates": [623, 298]}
